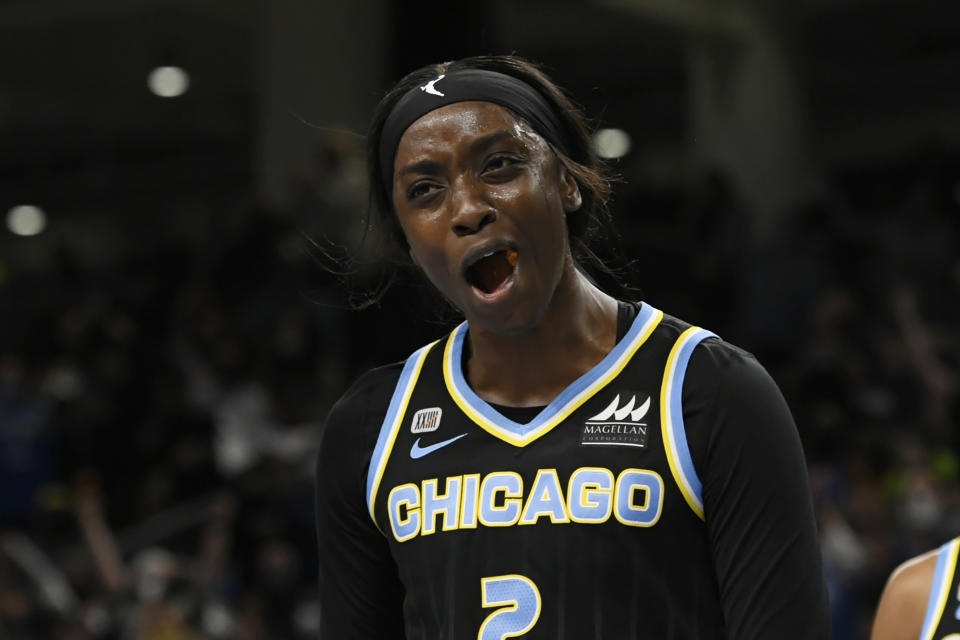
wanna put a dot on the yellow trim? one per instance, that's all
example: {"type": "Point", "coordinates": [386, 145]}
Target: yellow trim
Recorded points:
{"type": "Point", "coordinates": [596, 488]}
{"type": "Point", "coordinates": [944, 587]}
{"type": "Point", "coordinates": [531, 496]}
{"type": "Point", "coordinates": [666, 421]}
{"type": "Point", "coordinates": [646, 499]}
{"type": "Point", "coordinates": [426, 530]}
{"type": "Point", "coordinates": [394, 430]}
{"type": "Point", "coordinates": [412, 510]}
{"type": "Point", "coordinates": [508, 499]}
{"type": "Point", "coordinates": [461, 520]}
{"type": "Point", "coordinates": [508, 606]}
{"type": "Point", "coordinates": [601, 382]}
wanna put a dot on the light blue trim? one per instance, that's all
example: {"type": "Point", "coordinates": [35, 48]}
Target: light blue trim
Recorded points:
{"type": "Point", "coordinates": [933, 602]}
{"type": "Point", "coordinates": [677, 428]}
{"type": "Point", "coordinates": [482, 407]}
{"type": "Point", "coordinates": [388, 421]}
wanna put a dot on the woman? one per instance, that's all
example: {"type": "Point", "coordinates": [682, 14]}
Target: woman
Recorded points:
{"type": "Point", "coordinates": [563, 464]}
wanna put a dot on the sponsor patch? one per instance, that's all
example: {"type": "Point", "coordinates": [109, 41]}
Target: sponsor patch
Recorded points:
{"type": "Point", "coordinates": [620, 424]}
{"type": "Point", "coordinates": [426, 420]}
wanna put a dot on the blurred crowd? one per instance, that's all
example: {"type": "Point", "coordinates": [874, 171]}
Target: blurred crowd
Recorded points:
{"type": "Point", "coordinates": [853, 305]}
{"type": "Point", "coordinates": [156, 426]}
{"type": "Point", "coordinates": [158, 417]}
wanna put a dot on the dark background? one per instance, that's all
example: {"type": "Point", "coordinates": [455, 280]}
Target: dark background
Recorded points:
{"type": "Point", "coordinates": [171, 341]}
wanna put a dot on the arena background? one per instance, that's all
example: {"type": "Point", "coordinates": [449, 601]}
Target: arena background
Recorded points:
{"type": "Point", "coordinates": [171, 335]}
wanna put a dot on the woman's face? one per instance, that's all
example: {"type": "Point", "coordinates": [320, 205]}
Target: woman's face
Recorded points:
{"type": "Point", "coordinates": [482, 200]}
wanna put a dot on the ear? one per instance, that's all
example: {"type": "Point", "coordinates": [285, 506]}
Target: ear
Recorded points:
{"type": "Point", "coordinates": [413, 258]}
{"type": "Point", "coordinates": [569, 190]}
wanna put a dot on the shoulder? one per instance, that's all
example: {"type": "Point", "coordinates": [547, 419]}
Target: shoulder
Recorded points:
{"type": "Point", "coordinates": [715, 363]}
{"type": "Point", "coordinates": [903, 604]}
{"type": "Point", "coordinates": [350, 433]}
{"type": "Point", "coordinates": [358, 411]}
{"type": "Point", "coordinates": [372, 385]}
{"type": "Point", "coordinates": [729, 398]}
{"type": "Point", "coordinates": [363, 406]}
{"type": "Point", "coordinates": [914, 577]}
{"type": "Point", "coordinates": [724, 365]}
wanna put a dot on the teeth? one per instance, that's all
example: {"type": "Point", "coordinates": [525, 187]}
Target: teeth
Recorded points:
{"type": "Point", "coordinates": [490, 253]}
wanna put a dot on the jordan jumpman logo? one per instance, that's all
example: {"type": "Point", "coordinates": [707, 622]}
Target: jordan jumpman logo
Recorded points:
{"type": "Point", "coordinates": [430, 88]}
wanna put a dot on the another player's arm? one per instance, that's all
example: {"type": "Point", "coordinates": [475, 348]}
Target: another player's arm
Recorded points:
{"type": "Point", "coordinates": [361, 596]}
{"type": "Point", "coordinates": [98, 534]}
{"type": "Point", "coordinates": [903, 604]}
{"type": "Point", "coordinates": [757, 502]}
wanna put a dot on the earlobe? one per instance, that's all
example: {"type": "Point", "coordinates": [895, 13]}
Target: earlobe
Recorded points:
{"type": "Point", "coordinates": [413, 258]}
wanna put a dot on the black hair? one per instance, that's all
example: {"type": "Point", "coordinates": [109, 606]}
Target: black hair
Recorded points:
{"type": "Point", "coordinates": [592, 176]}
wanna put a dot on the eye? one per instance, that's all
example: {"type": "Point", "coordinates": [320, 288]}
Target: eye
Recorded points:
{"type": "Point", "coordinates": [500, 162]}
{"type": "Point", "coordinates": [420, 189]}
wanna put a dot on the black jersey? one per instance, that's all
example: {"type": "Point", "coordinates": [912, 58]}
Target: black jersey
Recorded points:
{"type": "Point", "coordinates": [942, 621]}
{"type": "Point", "coordinates": [597, 518]}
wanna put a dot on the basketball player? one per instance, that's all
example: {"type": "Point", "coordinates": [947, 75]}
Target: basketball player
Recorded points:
{"type": "Point", "coordinates": [922, 598]}
{"type": "Point", "coordinates": [562, 465]}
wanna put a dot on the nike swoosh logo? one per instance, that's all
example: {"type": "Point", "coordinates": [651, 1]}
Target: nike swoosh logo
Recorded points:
{"type": "Point", "coordinates": [416, 451]}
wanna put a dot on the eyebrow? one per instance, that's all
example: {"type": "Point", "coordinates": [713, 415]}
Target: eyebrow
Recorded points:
{"type": "Point", "coordinates": [483, 143]}
{"type": "Point", "coordinates": [478, 146]}
{"type": "Point", "coordinates": [424, 166]}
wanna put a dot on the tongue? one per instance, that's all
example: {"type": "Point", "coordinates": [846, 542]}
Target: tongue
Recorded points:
{"type": "Point", "coordinates": [489, 273]}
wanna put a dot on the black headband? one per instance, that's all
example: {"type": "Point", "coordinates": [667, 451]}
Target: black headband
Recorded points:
{"type": "Point", "coordinates": [461, 86]}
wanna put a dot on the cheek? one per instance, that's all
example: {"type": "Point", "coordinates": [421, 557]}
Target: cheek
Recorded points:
{"type": "Point", "coordinates": [419, 231]}
{"type": "Point", "coordinates": [549, 224]}
{"type": "Point", "coordinates": [431, 258]}
{"type": "Point", "coordinates": [556, 230]}
{"type": "Point", "coordinates": [428, 260]}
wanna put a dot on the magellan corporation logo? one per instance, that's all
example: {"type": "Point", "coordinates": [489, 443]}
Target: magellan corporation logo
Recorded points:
{"type": "Point", "coordinates": [618, 425]}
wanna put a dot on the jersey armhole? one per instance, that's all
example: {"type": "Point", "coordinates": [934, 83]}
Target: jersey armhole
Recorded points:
{"type": "Point", "coordinates": [939, 590]}
{"type": "Point", "coordinates": [671, 418]}
{"type": "Point", "coordinates": [391, 425]}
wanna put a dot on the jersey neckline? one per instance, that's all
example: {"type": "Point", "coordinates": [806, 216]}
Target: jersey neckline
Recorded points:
{"type": "Point", "coordinates": [626, 312]}
{"type": "Point", "coordinates": [571, 398]}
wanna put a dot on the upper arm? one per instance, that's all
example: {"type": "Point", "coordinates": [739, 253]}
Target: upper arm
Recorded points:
{"type": "Point", "coordinates": [361, 596]}
{"type": "Point", "coordinates": [903, 604]}
{"type": "Point", "coordinates": [757, 503]}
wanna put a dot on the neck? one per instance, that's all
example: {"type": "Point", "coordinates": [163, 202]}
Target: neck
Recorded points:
{"type": "Point", "coordinates": [530, 369]}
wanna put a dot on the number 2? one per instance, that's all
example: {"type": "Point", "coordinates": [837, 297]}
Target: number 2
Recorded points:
{"type": "Point", "coordinates": [518, 600]}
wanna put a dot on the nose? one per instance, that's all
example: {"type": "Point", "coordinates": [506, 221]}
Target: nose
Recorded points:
{"type": "Point", "coordinates": [471, 211]}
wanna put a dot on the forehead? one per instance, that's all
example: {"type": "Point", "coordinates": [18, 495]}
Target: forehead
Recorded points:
{"type": "Point", "coordinates": [461, 122]}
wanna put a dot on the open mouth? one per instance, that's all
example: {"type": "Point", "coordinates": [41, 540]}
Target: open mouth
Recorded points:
{"type": "Point", "coordinates": [490, 272]}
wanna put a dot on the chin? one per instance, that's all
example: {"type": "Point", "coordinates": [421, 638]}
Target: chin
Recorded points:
{"type": "Point", "coordinates": [507, 321]}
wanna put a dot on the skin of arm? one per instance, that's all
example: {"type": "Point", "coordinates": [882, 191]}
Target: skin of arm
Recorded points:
{"type": "Point", "coordinates": [215, 548]}
{"type": "Point", "coordinates": [96, 531]}
{"type": "Point", "coordinates": [903, 604]}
